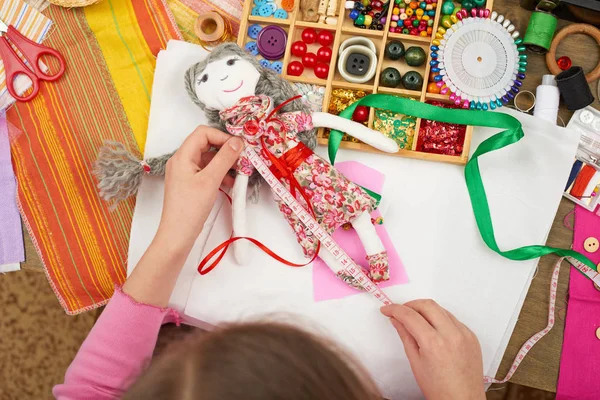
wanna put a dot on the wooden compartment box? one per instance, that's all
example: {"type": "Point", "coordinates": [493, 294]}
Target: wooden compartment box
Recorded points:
{"type": "Point", "coordinates": [343, 29]}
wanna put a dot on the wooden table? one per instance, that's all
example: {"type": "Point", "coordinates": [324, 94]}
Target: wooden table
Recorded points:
{"type": "Point", "coordinates": [540, 368]}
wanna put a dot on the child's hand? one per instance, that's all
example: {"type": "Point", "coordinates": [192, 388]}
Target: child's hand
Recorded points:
{"type": "Point", "coordinates": [444, 354]}
{"type": "Point", "coordinates": [192, 181]}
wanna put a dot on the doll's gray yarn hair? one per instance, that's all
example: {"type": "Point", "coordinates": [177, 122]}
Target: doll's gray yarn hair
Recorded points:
{"type": "Point", "coordinates": [119, 172]}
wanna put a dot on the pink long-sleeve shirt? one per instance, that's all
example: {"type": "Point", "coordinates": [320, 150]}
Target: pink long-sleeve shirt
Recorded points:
{"type": "Point", "coordinates": [117, 350]}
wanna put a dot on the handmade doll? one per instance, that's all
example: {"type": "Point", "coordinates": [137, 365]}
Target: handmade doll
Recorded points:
{"type": "Point", "coordinates": [246, 100]}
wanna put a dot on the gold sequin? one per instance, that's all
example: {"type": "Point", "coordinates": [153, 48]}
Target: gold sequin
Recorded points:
{"type": "Point", "coordinates": [399, 127]}
{"type": "Point", "coordinates": [340, 100]}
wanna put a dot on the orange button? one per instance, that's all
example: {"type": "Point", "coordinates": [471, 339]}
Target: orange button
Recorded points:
{"type": "Point", "coordinates": [591, 244]}
{"type": "Point", "coordinates": [287, 5]}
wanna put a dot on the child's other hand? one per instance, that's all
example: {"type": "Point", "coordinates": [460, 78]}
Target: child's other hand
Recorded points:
{"type": "Point", "coordinates": [444, 354]}
{"type": "Point", "coordinates": [192, 181]}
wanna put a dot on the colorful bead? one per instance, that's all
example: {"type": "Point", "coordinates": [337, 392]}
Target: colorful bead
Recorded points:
{"type": "Point", "coordinates": [448, 7]}
{"type": "Point", "coordinates": [403, 16]}
{"type": "Point", "coordinates": [409, 12]}
{"type": "Point", "coordinates": [419, 12]}
{"type": "Point", "coordinates": [432, 88]}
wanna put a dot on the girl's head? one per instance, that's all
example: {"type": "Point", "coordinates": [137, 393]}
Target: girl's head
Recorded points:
{"type": "Point", "coordinates": [258, 361]}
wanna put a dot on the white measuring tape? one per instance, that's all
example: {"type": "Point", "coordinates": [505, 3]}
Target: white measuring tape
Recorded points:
{"type": "Point", "coordinates": [348, 264]}
{"type": "Point", "coordinates": [528, 345]}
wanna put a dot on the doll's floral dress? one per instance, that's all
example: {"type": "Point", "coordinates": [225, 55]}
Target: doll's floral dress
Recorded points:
{"type": "Point", "coordinates": [334, 199]}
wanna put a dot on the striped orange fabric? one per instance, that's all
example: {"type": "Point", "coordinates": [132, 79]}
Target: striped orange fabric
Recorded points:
{"type": "Point", "coordinates": [82, 244]}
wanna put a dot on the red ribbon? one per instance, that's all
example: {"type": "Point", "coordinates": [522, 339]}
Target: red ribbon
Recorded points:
{"type": "Point", "coordinates": [282, 168]}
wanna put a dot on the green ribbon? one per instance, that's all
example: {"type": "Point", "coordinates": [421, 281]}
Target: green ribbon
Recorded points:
{"type": "Point", "coordinates": [512, 133]}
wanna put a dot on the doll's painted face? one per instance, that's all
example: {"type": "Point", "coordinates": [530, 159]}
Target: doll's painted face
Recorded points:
{"type": "Point", "coordinates": [223, 82]}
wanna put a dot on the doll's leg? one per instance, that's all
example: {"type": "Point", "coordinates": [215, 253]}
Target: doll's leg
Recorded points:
{"type": "Point", "coordinates": [376, 254]}
{"type": "Point", "coordinates": [335, 266]}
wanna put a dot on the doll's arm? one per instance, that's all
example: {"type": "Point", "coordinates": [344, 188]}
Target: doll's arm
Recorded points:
{"type": "Point", "coordinates": [238, 200]}
{"type": "Point", "coordinates": [359, 131]}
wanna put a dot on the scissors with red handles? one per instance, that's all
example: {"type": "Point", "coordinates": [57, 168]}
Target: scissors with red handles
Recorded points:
{"type": "Point", "coordinates": [14, 65]}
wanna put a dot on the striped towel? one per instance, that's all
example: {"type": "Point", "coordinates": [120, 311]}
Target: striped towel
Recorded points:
{"type": "Point", "coordinates": [30, 23]}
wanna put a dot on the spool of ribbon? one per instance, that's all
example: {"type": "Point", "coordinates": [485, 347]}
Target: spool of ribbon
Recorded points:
{"type": "Point", "coordinates": [212, 29]}
{"type": "Point", "coordinates": [540, 31]}
{"type": "Point", "coordinates": [512, 133]}
{"type": "Point", "coordinates": [574, 88]}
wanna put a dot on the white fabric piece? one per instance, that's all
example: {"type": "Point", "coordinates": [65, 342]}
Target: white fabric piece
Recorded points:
{"type": "Point", "coordinates": [172, 117]}
{"type": "Point", "coordinates": [429, 217]}
{"type": "Point", "coordinates": [9, 267]}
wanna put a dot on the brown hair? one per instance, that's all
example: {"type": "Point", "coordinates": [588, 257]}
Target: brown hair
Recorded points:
{"type": "Point", "coordinates": [255, 361]}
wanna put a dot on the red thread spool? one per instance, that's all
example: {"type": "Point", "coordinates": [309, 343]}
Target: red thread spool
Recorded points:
{"type": "Point", "coordinates": [583, 179]}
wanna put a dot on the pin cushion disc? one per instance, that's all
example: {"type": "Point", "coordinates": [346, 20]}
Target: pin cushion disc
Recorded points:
{"type": "Point", "coordinates": [479, 61]}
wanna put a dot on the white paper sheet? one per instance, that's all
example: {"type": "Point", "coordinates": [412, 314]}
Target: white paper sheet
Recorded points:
{"type": "Point", "coordinates": [432, 223]}
{"type": "Point", "coordinates": [429, 217]}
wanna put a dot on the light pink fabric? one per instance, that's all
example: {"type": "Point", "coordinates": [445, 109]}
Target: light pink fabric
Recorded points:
{"type": "Point", "coordinates": [117, 350]}
{"type": "Point", "coordinates": [328, 286]}
{"type": "Point", "coordinates": [579, 376]}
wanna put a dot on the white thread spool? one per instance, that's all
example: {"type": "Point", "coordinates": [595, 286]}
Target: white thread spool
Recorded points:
{"type": "Point", "coordinates": [548, 97]}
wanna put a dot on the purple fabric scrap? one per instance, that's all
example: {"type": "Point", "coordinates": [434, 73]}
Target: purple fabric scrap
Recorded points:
{"type": "Point", "coordinates": [11, 235]}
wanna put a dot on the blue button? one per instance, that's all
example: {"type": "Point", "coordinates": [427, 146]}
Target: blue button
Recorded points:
{"type": "Point", "coordinates": [260, 2]}
{"type": "Point", "coordinates": [265, 63]}
{"type": "Point", "coordinates": [254, 11]}
{"type": "Point", "coordinates": [253, 31]}
{"type": "Point", "coordinates": [277, 66]}
{"type": "Point", "coordinates": [281, 14]}
{"type": "Point", "coordinates": [251, 48]}
{"type": "Point", "coordinates": [266, 10]}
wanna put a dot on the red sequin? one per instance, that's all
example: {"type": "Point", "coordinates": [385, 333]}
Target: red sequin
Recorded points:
{"type": "Point", "coordinates": [564, 63]}
{"type": "Point", "coordinates": [441, 138]}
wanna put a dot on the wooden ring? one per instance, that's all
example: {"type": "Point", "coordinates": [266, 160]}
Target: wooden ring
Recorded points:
{"type": "Point", "coordinates": [209, 27]}
{"type": "Point", "coordinates": [570, 30]}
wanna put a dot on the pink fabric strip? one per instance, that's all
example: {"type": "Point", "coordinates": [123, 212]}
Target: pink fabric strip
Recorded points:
{"type": "Point", "coordinates": [11, 236]}
{"type": "Point", "coordinates": [579, 376]}
{"type": "Point", "coordinates": [326, 285]}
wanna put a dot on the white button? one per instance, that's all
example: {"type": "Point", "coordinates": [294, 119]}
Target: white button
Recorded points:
{"type": "Point", "coordinates": [586, 116]}
{"type": "Point", "coordinates": [598, 333]}
{"type": "Point", "coordinates": [591, 244]}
